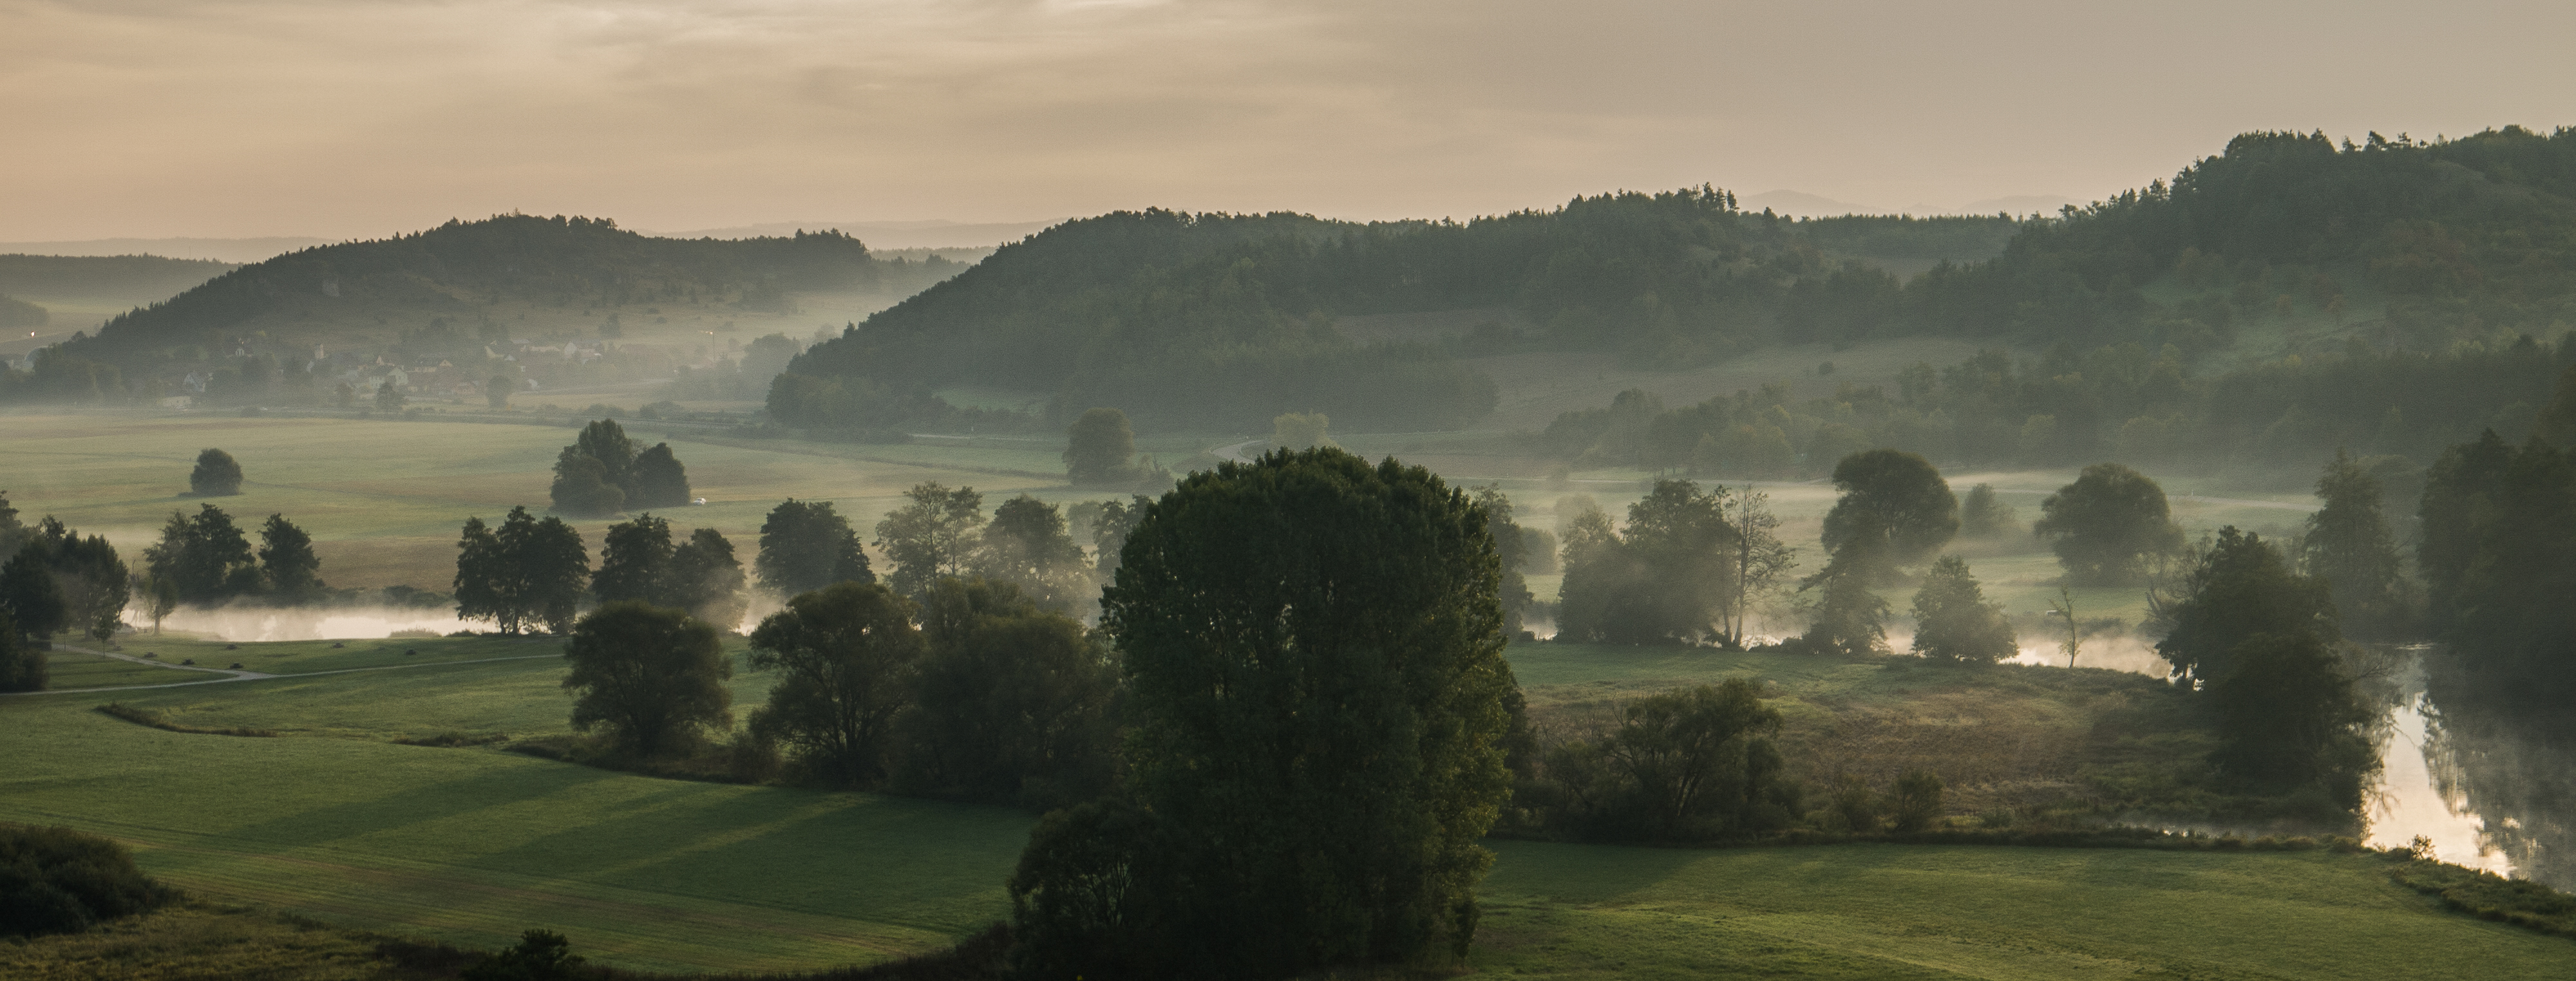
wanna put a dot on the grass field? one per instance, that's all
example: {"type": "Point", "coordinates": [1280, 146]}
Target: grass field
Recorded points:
{"type": "Point", "coordinates": [471, 845]}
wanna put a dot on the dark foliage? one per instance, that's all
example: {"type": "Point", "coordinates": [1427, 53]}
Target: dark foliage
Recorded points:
{"type": "Point", "coordinates": [528, 573]}
{"type": "Point", "coordinates": [286, 561]}
{"type": "Point", "coordinates": [1953, 621]}
{"type": "Point", "coordinates": [2108, 525]}
{"type": "Point", "coordinates": [652, 676]}
{"type": "Point", "coordinates": [1097, 448]}
{"type": "Point", "coordinates": [805, 546]}
{"type": "Point", "coordinates": [1312, 649]}
{"type": "Point", "coordinates": [57, 880]}
{"type": "Point", "coordinates": [217, 474]}
{"type": "Point", "coordinates": [845, 655]}
{"type": "Point", "coordinates": [2236, 587]}
{"type": "Point", "coordinates": [205, 558]}
{"type": "Point", "coordinates": [2498, 555]}
{"type": "Point", "coordinates": [1895, 498]}
{"type": "Point", "coordinates": [1010, 704]}
{"type": "Point", "coordinates": [1669, 575]}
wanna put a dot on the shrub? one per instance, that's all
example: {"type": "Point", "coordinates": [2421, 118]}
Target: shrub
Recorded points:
{"type": "Point", "coordinates": [1917, 803]}
{"type": "Point", "coordinates": [57, 880]}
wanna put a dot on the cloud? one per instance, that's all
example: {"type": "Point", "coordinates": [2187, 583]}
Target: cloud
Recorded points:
{"type": "Point", "coordinates": [366, 117]}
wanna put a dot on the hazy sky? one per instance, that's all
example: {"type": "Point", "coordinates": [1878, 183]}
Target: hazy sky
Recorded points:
{"type": "Point", "coordinates": [367, 117]}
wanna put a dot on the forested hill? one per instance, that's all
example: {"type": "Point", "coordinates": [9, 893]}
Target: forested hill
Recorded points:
{"type": "Point", "coordinates": [1226, 320]}
{"type": "Point", "coordinates": [460, 267]}
{"type": "Point", "coordinates": [1218, 320]}
{"type": "Point", "coordinates": [122, 278]}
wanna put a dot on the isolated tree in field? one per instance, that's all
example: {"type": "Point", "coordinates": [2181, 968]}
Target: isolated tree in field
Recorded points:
{"type": "Point", "coordinates": [1010, 702]}
{"type": "Point", "coordinates": [22, 663]}
{"type": "Point", "coordinates": [93, 580]}
{"type": "Point", "coordinates": [2107, 525]}
{"type": "Point", "coordinates": [652, 676]}
{"type": "Point", "coordinates": [31, 597]}
{"type": "Point", "coordinates": [497, 391]}
{"type": "Point", "coordinates": [1301, 431]}
{"type": "Point", "coordinates": [206, 558]}
{"type": "Point", "coordinates": [1027, 547]}
{"type": "Point", "coordinates": [1687, 752]}
{"type": "Point", "coordinates": [2288, 716]}
{"type": "Point", "coordinates": [635, 562]}
{"type": "Point", "coordinates": [805, 546]}
{"type": "Point", "coordinates": [1898, 497]}
{"type": "Point", "coordinates": [707, 580]}
{"type": "Point", "coordinates": [389, 398]}
{"type": "Point", "coordinates": [1953, 621]}
{"type": "Point", "coordinates": [217, 474]}
{"type": "Point", "coordinates": [658, 480]}
{"type": "Point", "coordinates": [524, 574]}
{"type": "Point", "coordinates": [287, 562]}
{"type": "Point", "coordinates": [844, 655]}
{"type": "Point", "coordinates": [1313, 654]}
{"type": "Point", "coordinates": [2348, 545]}
{"type": "Point", "coordinates": [1097, 448]}
{"type": "Point", "coordinates": [2236, 587]}
{"type": "Point", "coordinates": [1984, 515]}
{"type": "Point", "coordinates": [582, 486]}
{"type": "Point", "coordinates": [932, 537]}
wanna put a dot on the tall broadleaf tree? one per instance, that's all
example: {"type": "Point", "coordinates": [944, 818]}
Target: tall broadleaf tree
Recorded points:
{"type": "Point", "coordinates": [206, 558]}
{"type": "Point", "coordinates": [657, 480]}
{"type": "Point", "coordinates": [933, 537]}
{"type": "Point", "coordinates": [707, 580]}
{"type": "Point", "coordinates": [524, 574]}
{"type": "Point", "coordinates": [807, 545]}
{"type": "Point", "coordinates": [2350, 546]}
{"type": "Point", "coordinates": [1313, 653]}
{"type": "Point", "coordinates": [1899, 498]}
{"type": "Point", "coordinates": [1027, 546]}
{"type": "Point", "coordinates": [844, 656]}
{"type": "Point", "coordinates": [217, 474]}
{"type": "Point", "coordinates": [287, 562]}
{"type": "Point", "coordinates": [652, 676]}
{"type": "Point", "coordinates": [635, 562]}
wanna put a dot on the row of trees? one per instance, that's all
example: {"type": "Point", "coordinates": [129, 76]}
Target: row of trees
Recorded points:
{"type": "Point", "coordinates": [205, 560]}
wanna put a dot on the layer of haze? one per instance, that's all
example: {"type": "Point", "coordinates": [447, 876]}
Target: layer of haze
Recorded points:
{"type": "Point", "coordinates": [344, 118]}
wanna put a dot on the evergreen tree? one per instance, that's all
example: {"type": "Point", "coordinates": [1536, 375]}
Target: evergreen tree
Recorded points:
{"type": "Point", "coordinates": [287, 561]}
{"type": "Point", "coordinates": [2348, 544]}
{"type": "Point", "coordinates": [1953, 621]}
{"type": "Point", "coordinates": [805, 546]}
{"type": "Point", "coordinates": [389, 398]}
{"type": "Point", "coordinates": [931, 538]}
{"type": "Point", "coordinates": [1897, 496]}
{"type": "Point", "coordinates": [635, 562]}
{"type": "Point", "coordinates": [2107, 525]}
{"type": "Point", "coordinates": [707, 580]}
{"type": "Point", "coordinates": [653, 677]}
{"type": "Point", "coordinates": [1026, 546]}
{"type": "Point", "coordinates": [1313, 654]}
{"type": "Point", "coordinates": [657, 479]}
{"type": "Point", "coordinates": [1097, 448]}
{"type": "Point", "coordinates": [217, 475]}
{"type": "Point", "coordinates": [845, 654]}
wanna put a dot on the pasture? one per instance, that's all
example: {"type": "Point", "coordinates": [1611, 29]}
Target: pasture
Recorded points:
{"type": "Point", "coordinates": [332, 820]}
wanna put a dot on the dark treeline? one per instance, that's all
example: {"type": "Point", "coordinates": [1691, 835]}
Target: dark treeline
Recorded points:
{"type": "Point", "coordinates": [1186, 318]}
{"type": "Point", "coordinates": [2120, 401]}
{"type": "Point", "coordinates": [1229, 318]}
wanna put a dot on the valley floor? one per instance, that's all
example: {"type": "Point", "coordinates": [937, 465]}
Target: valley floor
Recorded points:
{"type": "Point", "coordinates": [331, 820]}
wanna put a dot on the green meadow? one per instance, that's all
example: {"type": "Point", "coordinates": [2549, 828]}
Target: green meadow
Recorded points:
{"type": "Point", "coordinates": [332, 820]}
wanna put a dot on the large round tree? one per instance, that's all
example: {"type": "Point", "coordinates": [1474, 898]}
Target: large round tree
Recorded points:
{"type": "Point", "coordinates": [1897, 495]}
{"type": "Point", "coordinates": [217, 474]}
{"type": "Point", "coordinates": [1097, 447]}
{"type": "Point", "coordinates": [1313, 652]}
{"type": "Point", "coordinates": [2107, 525]}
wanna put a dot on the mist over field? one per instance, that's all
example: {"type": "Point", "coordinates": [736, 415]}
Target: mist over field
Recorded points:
{"type": "Point", "coordinates": [1276, 489]}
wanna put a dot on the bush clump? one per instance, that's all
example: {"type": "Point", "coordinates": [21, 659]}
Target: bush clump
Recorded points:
{"type": "Point", "coordinates": [57, 880]}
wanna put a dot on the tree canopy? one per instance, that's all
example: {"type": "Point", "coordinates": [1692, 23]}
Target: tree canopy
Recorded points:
{"type": "Point", "coordinates": [653, 677]}
{"type": "Point", "coordinates": [1898, 497]}
{"type": "Point", "coordinates": [217, 474]}
{"type": "Point", "coordinates": [2108, 525]}
{"type": "Point", "coordinates": [807, 545]}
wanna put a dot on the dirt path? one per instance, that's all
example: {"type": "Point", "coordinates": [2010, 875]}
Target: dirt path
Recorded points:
{"type": "Point", "coordinates": [231, 674]}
